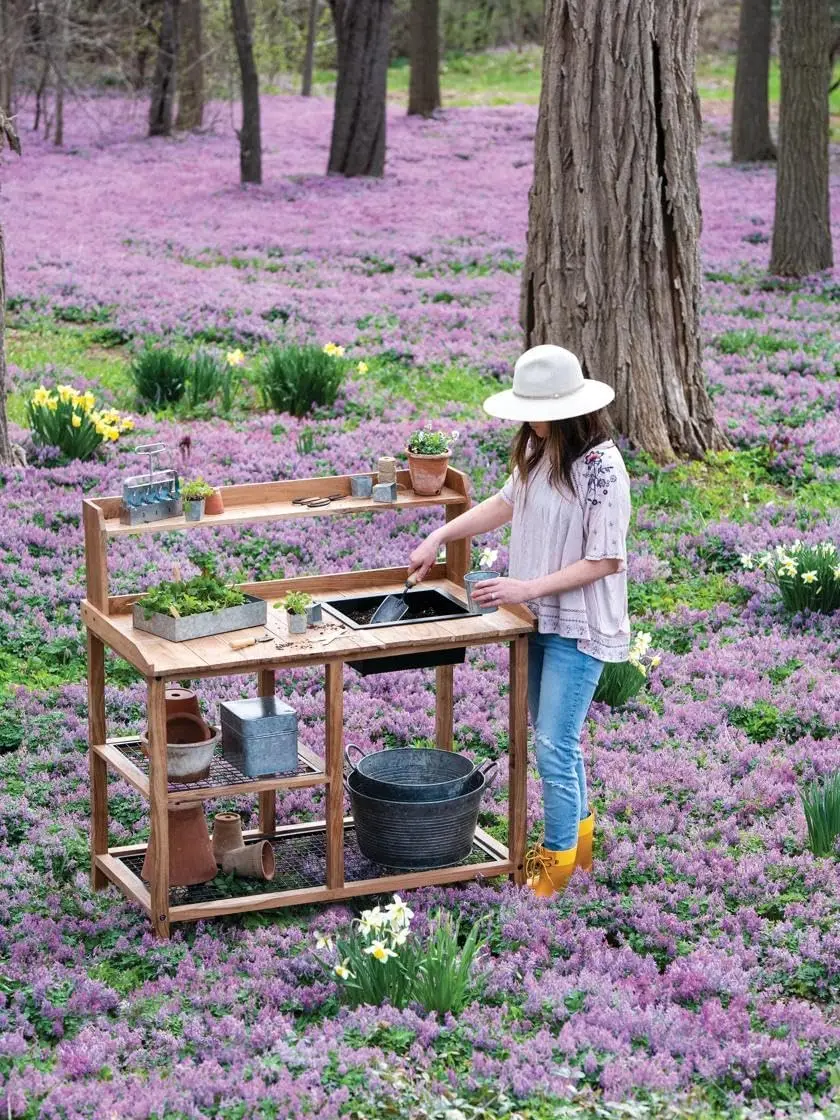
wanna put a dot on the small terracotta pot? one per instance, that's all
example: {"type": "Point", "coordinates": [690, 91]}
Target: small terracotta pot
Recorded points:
{"type": "Point", "coordinates": [428, 472]}
{"type": "Point", "coordinates": [180, 700]}
{"type": "Point", "coordinates": [185, 727]}
{"type": "Point", "coordinates": [214, 503]}
{"type": "Point", "coordinates": [253, 861]}
{"type": "Point", "coordinates": [191, 857]}
{"type": "Point", "coordinates": [227, 834]}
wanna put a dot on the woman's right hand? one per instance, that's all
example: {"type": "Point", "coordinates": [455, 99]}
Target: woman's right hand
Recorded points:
{"type": "Point", "coordinates": [422, 558]}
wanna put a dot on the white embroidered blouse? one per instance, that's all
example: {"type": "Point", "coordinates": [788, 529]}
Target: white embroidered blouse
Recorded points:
{"type": "Point", "coordinates": [553, 528]}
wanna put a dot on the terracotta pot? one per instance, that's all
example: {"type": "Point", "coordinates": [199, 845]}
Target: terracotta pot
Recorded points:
{"type": "Point", "coordinates": [181, 700]}
{"type": "Point", "coordinates": [187, 760]}
{"type": "Point", "coordinates": [254, 861]}
{"type": "Point", "coordinates": [227, 834]}
{"type": "Point", "coordinates": [191, 857]}
{"type": "Point", "coordinates": [214, 504]}
{"type": "Point", "coordinates": [428, 472]}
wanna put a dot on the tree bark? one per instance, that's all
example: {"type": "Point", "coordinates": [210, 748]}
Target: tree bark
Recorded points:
{"type": "Point", "coordinates": [802, 228]}
{"type": "Point", "coordinates": [309, 54]}
{"type": "Point", "coordinates": [612, 266]}
{"type": "Point", "coordinates": [358, 132]}
{"type": "Point", "coordinates": [191, 84]}
{"type": "Point", "coordinates": [751, 141]}
{"type": "Point", "coordinates": [8, 136]}
{"type": "Point", "coordinates": [424, 86]}
{"type": "Point", "coordinates": [250, 142]}
{"type": "Point", "coordinates": [61, 34]}
{"type": "Point", "coordinates": [163, 84]}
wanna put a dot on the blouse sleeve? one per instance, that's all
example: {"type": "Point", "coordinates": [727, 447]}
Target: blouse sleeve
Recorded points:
{"type": "Point", "coordinates": [506, 491]}
{"type": "Point", "coordinates": [606, 514]}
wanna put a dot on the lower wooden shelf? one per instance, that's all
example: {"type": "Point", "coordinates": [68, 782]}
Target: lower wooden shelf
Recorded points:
{"type": "Point", "coordinates": [300, 851]}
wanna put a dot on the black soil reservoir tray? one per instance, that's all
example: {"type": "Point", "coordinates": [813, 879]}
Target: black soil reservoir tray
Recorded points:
{"type": "Point", "coordinates": [423, 606]}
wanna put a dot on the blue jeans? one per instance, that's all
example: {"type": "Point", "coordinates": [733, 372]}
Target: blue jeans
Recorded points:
{"type": "Point", "coordinates": [561, 684]}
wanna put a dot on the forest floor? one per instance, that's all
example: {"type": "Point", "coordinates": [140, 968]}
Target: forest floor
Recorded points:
{"type": "Point", "coordinates": [697, 972]}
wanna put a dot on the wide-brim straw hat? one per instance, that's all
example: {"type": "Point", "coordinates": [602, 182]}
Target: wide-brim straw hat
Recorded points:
{"type": "Point", "coordinates": [548, 384]}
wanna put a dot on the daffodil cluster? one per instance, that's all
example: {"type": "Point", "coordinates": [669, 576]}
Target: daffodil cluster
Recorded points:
{"type": "Point", "coordinates": [638, 655]}
{"type": "Point", "coordinates": [333, 350]}
{"type": "Point", "coordinates": [69, 420]}
{"type": "Point", "coordinates": [808, 576]}
{"type": "Point", "coordinates": [621, 681]}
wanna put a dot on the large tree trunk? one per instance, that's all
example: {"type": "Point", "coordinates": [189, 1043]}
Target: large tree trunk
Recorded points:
{"type": "Point", "coordinates": [358, 132]}
{"type": "Point", "coordinates": [191, 77]}
{"type": "Point", "coordinates": [163, 84]}
{"type": "Point", "coordinates": [250, 142]}
{"type": "Point", "coordinates": [7, 136]}
{"type": "Point", "coordinates": [612, 267]}
{"type": "Point", "coordinates": [750, 103]}
{"type": "Point", "coordinates": [309, 54]}
{"type": "Point", "coordinates": [424, 87]}
{"type": "Point", "coordinates": [802, 229]}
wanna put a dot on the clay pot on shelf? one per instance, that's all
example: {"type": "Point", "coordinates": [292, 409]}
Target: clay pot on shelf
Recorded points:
{"type": "Point", "coordinates": [428, 473]}
{"type": "Point", "coordinates": [227, 834]}
{"type": "Point", "coordinates": [253, 861]}
{"type": "Point", "coordinates": [190, 746]}
{"type": "Point", "coordinates": [214, 504]}
{"type": "Point", "coordinates": [191, 858]}
{"type": "Point", "coordinates": [181, 700]}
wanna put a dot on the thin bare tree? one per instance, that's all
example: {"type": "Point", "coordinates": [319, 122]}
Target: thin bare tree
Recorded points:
{"type": "Point", "coordinates": [166, 69]}
{"type": "Point", "coordinates": [309, 50]}
{"type": "Point", "coordinates": [191, 77]}
{"type": "Point", "coordinates": [8, 135]}
{"type": "Point", "coordinates": [424, 34]}
{"type": "Point", "coordinates": [250, 134]}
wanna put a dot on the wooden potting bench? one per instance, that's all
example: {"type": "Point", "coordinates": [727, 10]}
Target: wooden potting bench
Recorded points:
{"type": "Point", "coordinates": [310, 856]}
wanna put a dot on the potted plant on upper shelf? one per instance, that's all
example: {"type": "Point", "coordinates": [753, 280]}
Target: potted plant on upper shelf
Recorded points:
{"type": "Point", "coordinates": [428, 460]}
{"type": "Point", "coordinates": [179, 609]}
{"type": "Point", "coordinates": [296, 605]}
{"type": "Point", "coordinates": [195, 493]}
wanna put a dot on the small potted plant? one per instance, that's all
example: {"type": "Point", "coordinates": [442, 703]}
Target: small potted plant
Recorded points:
{"type": "Point", "coordinates": [482, 561]}
{"type": "Point", "coordinates": [296, 605]}
{"type": "Point", "coordinates": [195, 493]}
{"type": "Point", "coordinates": [428, 460]}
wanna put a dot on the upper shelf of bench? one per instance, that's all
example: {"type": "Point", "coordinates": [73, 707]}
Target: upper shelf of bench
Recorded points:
{"type": "Point", "coordinates": [273, 501]}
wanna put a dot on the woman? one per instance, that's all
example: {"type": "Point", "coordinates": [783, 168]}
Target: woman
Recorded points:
{"type": "Point", "coordinates": [569, 498]}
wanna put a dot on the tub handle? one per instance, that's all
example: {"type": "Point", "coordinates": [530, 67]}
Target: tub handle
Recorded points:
{"type": "Point", "coordinates": [490, 769]}
{"type": "Point", "coordinates": [352, 747]}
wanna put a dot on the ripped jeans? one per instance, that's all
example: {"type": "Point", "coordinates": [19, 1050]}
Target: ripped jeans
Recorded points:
{"type": "Point", "coordinates": [561, 684]}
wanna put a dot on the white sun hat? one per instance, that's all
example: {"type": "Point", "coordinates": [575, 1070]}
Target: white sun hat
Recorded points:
{"type": "Point", "coordinates": [548, 384]}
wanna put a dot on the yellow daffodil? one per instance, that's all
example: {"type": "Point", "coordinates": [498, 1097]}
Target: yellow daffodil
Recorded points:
{"type": "Point", "coordinates": [65, 393]}
{"type": "Point", "coordinates": [362, 367]}
{"type": "Point", "coordinates": [379, 951]}
{"type": "Point", "coordinates": [127, 424]}
{"type": "Point", "coordinates": [655, 662]}
{"type": "Point", "coordinates": [87, 401]}
{"type": "Point", "coordinates": [342, 971]}
{"type": "Point", "coordinates": [40, 396]}
{"type": "Point", "coordinates": [52, 404]}
{"type": "Point", "coordinates": [235, 357]}
{"type": "Point", "coordinates": [76, 420]}
{"type": "Point", "coordinates": [809, 577]}
{"type": "Point", "coordinates": [333, 350]}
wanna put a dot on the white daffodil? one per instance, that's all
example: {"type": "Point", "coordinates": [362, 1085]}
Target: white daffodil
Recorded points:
{"type": "Point", "coordinates": [747, 561]}
{"type": "Point", "coordinates": [488, 558]}
{"type": "Point", "coordinates": [372, 920]}
{"type": "Point", "coordinates": [379, 951]}
{"type": "Point", "coordinates": [810, 577]}
{"type": "Point", "coordinates": [399, 937]}
{"type": "Point", "coordinates": [342, 971]}
{"type": "Point", "coordinates": [398, 913]}
{"type": "Point", "coordinates": [837, 572]}
{"type": "Point", "coordinates": [323, 941]}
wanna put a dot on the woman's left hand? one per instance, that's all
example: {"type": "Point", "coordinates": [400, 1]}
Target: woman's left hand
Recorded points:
{"type": "Point", "coordinates": [497, 592]}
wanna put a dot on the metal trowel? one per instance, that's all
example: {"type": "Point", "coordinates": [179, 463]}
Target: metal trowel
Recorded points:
{"type": "Point", "coordinates": [394, 607]}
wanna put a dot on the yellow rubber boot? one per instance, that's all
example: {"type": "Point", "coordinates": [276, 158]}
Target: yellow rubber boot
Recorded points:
{"type": "Point", "coordinates": [586, 829]}
{"type": "Point", "coordinates": [549, 872]}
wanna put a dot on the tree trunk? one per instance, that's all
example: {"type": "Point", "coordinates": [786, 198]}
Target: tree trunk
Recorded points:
{"type": "Point", "coordinates": [191, 86]}
{"type": "Point", "coordinates": [802, 229]}
{"type": "Point", "coordinates": [309, 55]}
{"type": "Point", "coordinates": [250, 143]}
{"type": "Point", "coordinates": [358, 133]}
{"type": "Point", "coordinates": [7, 136]}
{"type": "Point", "coordinates": [163, 84]}
{"type": "Point", "coordinates": [751, 140]}
{"type": "Point", "coordinates": [61, 35]}
{"type": "Point", "coordinates": [424, 87]}
{"type": "Point", "coordinates": [612, 265]}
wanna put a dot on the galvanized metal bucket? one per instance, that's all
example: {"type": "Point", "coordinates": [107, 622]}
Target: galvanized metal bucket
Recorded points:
{"type": "Point", "coordinates": [418, 835]}
{"type": "Point", "coordinates": [410, 773]}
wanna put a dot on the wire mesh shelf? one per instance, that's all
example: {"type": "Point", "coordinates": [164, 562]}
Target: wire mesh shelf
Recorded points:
{"type": "Point", "coordinates": [222, 773]}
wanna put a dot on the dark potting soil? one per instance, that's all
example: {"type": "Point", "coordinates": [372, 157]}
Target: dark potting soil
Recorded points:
{"type": "Point", "coordinates": [363, 615]}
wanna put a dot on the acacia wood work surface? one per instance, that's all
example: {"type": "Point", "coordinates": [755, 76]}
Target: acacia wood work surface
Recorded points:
{"type": "Point", "coordinates": [156, 657]}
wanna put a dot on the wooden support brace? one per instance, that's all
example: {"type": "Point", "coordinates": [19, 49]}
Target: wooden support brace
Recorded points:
{"type": "Point", "coordinates": [268, 797]}
{"type": "Point", "coordinates": [444, 701]}
{"type": "Point", "coordinates": [334, 723]}
{"type": "Point", "coordinates": [158, 806]}
{"type": "Point", "coordinates": [97, 733]}
{"type": "Point", "coordinates": [518, 757]}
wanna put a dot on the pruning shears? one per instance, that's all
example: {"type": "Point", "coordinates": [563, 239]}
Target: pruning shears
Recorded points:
{"type": "Point", "coordinates": [312, 503]}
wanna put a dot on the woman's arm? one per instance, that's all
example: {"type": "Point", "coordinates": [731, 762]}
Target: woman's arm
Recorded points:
{"type": "Point", "coordinates": [489, 514]}
{"type": "Point", "coordinates": [497, 592]}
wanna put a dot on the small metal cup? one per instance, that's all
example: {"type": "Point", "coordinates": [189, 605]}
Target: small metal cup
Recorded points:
{"type": "Point", "coordinates": [385, 492]}
{"type": "Point", "coordinates": [361, 485]}
{"type": "Point", "coordinates": [297, 623]}
{"type": "Point", "coordinates": [314, 614]}
{"type": "Point", "coordinates": [194, 511]}
{"type": "Point", "coordinates": [470, 580]}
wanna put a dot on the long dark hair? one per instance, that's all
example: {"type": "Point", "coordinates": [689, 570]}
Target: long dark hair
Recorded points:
{"type": "Point", "coordinates": [566, 441]}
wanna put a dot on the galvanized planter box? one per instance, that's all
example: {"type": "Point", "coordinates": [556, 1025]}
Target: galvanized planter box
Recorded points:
{"type": "Point", "coordinates": [253, 612]}
{"type": "Point", "coordinates": [260, 736]}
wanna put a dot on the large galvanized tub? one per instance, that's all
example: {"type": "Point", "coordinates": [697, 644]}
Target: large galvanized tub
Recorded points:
{"type": "Point", "coordinates": [418, 835]}
{"type": "Point", "coordinates": [410, 773]}
{"type": "Point", "coordinates": [253, 612]}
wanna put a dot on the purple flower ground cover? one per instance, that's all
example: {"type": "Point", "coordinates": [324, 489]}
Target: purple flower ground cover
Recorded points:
{"type": "Point", "coordinates": [698, 971]}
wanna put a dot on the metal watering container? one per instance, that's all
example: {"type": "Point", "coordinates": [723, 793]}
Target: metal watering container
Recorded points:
{"type": "Point", "coordinates": [410, 773]}
{"type": "Point", "coordinates": [418, 835]}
